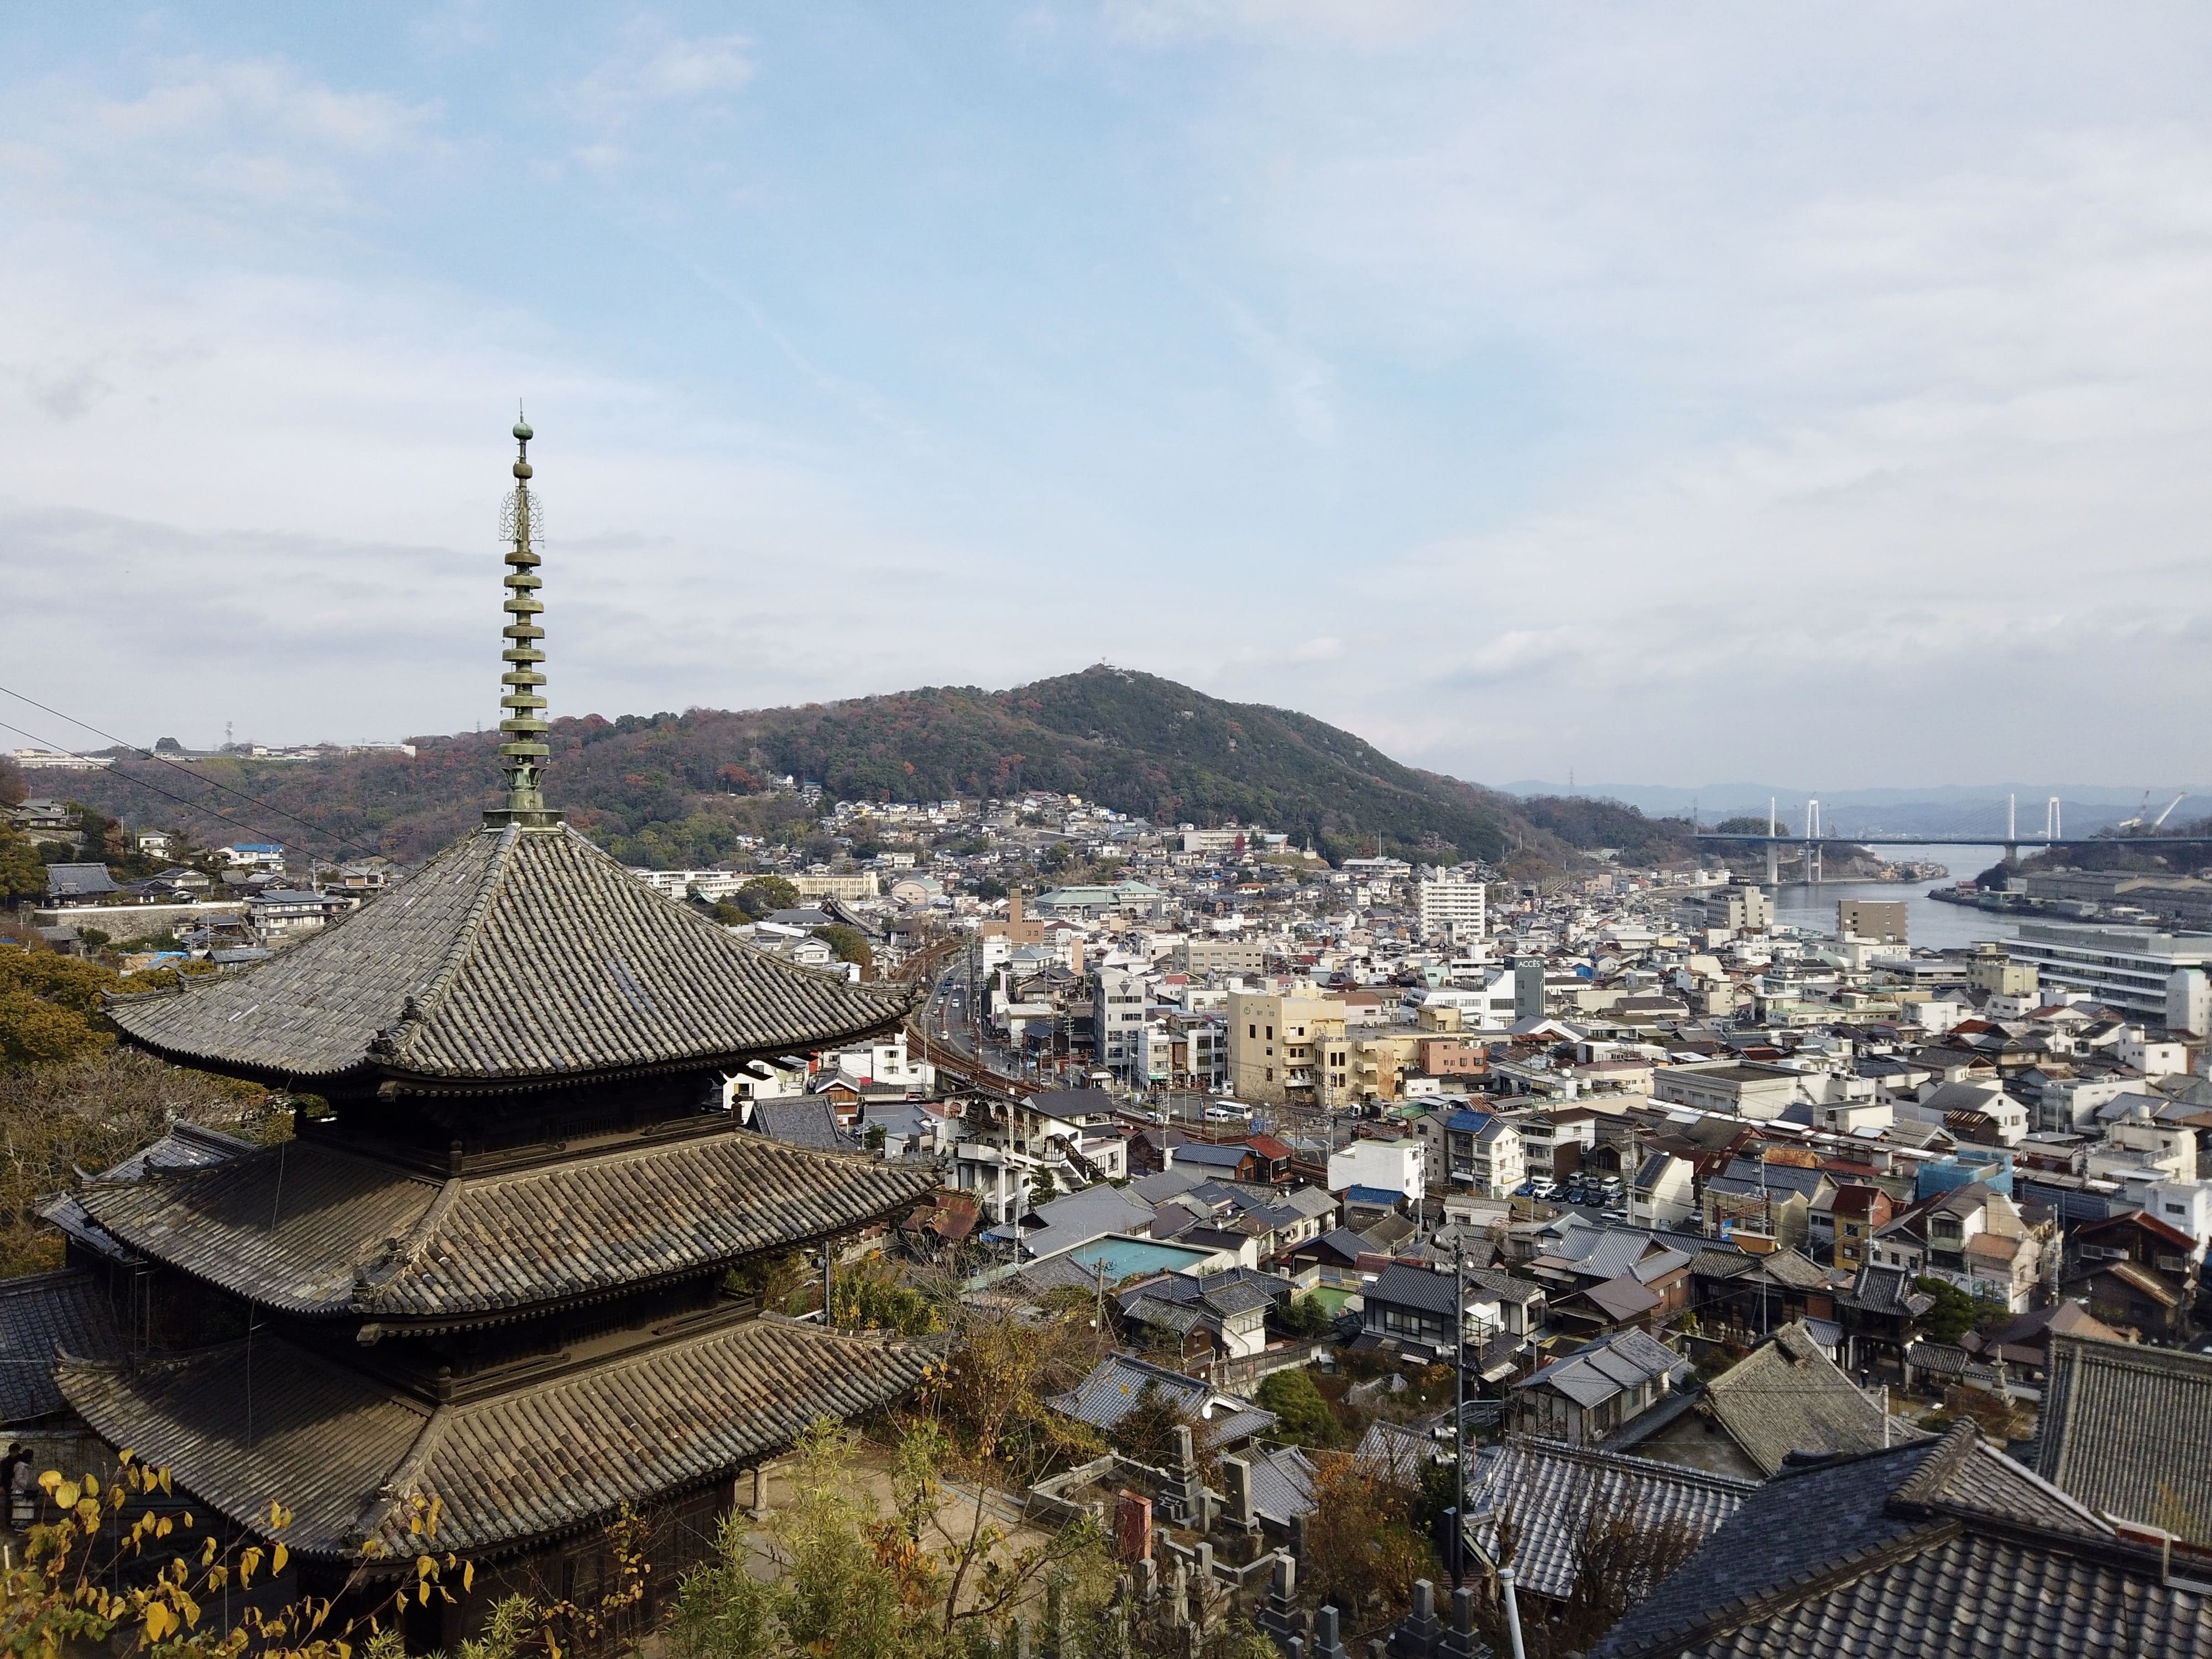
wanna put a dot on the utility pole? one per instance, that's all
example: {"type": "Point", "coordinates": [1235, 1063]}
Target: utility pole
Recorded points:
{"type": "Point", "coordinates": [1458, 1410]}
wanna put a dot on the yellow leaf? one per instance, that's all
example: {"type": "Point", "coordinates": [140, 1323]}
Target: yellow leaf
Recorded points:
{"type": "Point", "coordinates": [66, 1494]}
{"type": "Point", "coordinates": [469, 1576]}
{"type": "Point", "coordinates": [159, 1621]}
{"type": "Point", "coordinates": [283, 1555]}
{"type": "Point", "coordinates": [422, 1594]}
{"type": "Point", "coordinates": [208, 1554]}
{"type": "Point", "coordinates": [50, 1479]}
{"type": "Point", "coordinates": [91, 1485]}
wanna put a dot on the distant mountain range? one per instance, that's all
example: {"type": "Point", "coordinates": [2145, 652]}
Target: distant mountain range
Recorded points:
{"type": "Point", "coordinates": [674, 790]}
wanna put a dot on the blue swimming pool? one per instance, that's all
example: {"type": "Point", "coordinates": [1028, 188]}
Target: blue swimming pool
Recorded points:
{"type": "Point", "coordinates": [1123, 1257]}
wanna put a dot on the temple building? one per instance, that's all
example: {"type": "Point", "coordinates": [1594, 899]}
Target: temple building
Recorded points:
{"type": "Point", "coordinates": [497, 1271]}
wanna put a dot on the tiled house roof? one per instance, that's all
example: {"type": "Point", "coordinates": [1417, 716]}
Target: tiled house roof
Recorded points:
{"type": "Point", "coordinates": [514, 956]}
{"type": "Point", "coordinates": [1543, 1492]}
{"type": "Point", "coordinates": [1945, 1549]}
{"type": "Point", "coordinates": [1787, 1397]}
{"type": "Point", "coordinates": [2128, 1430]}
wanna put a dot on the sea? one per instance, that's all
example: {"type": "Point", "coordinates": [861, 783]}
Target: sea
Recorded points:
{"type": "Point", "coordinates": [1930, 924]}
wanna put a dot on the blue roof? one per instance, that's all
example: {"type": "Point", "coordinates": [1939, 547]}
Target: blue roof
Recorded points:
{"type": "Point", "coordinates": [1385, 1195]}
{"type": "Point", "coordinates": [1467, 1119]}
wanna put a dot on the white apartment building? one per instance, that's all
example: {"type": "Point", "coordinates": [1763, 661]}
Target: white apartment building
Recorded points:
{"type": "Point", "coordinates": [1451, 904]}
{"type": "Point", "coordinates": [2126, 969]}
{"type": "Point", "coordinates": [1117, 1011]}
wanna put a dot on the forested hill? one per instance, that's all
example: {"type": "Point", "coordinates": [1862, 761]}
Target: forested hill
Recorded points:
{"type": "Point", "coordinates": [674, 790]}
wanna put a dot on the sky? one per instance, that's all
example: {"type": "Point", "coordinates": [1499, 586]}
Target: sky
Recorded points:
{"type": "Point", "coordinates": [1658, 391]}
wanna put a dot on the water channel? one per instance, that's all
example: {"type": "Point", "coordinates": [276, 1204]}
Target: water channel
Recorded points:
{"type": "Point", "coordinates": [1931, 924]}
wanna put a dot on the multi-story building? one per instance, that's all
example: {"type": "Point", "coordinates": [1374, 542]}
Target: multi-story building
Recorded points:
{"type": "Point", "coordinates": [1118, 999]}
{"type": "Point", "coordinates": [2122, 967]}
{"type": "Point", "coordinates": [1451, 904]}
{"type": "Point", "coordinates": [1277, 1044]}
{"type": "Point", "coordinates": [1219, 956]}
{"type": "Point", "coordinates": [1483, 1153]}
{"type": "Point", "coordinates": [1881, 921]}
{"type": "Point", "coordinates": [1733, 1087]}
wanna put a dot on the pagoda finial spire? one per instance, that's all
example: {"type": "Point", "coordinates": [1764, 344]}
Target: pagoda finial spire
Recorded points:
{"type": "Point", "coordinates": [522, 755]}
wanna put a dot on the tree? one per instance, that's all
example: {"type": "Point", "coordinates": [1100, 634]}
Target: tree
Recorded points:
{"type": "Point", "coordinates": [22, 872]}
{"type": "Point", "coordinates": [989, 887]}
{"type": "Point", "coordinates": [764, 895]}
{"type": "Point", "coordinates": [850, 945]}
{"type": "Point", "coordinates": [1301, 1415]}
{"type": "Point", "coordinates": [1955, 1313]}
{"type": "Point", "coordinates": [1363, 1549]}
{"type": "Point", "coordinates": [870, 1298]}
{"type": "Point", "coordinates": [167, 746]}
{"type": "Point", "coordinates": [1042, 1186]}
{"type": "Point", "coordinates": [91, 1112]}
{"type": "Point", "coordinates": [1305, 1318]}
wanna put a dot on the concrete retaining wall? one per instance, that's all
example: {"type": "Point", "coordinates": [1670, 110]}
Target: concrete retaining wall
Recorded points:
{"type": "Point", "coordinates": [127, 923]}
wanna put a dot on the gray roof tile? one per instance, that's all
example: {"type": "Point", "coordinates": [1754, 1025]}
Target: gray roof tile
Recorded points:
{"type": "Point", "coordinates": [1922, 1552]}
{"type": "Point", "coordinates": [345, 1452]}
{"type": "Point", "coordinates": [1542, 1494]}
{"type": "Point", "coordinates": [319, 1231]}
{"type": "Point", "coordinates": [2128, 1430]}
{"type": "Point", "coordinates": [512, 955]}
{"type": "Point", "coordinates": [42, 1316]}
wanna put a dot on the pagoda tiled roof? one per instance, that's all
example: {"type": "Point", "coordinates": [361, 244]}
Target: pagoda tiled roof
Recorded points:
{"type": "Point", "coordinates": [516, 955]}
{"type": "Point", "coordinates": [347, 1453]}
{"type": "Point", "coordinates": [321, 1231]}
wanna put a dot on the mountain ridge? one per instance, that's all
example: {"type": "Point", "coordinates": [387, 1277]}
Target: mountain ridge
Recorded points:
{"type": "Point", "coordinates": [675, 790]}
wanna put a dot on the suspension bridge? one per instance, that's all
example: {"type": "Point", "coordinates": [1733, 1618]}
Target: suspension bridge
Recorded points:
{"type": "Point", "coordinates": [1815, 836]}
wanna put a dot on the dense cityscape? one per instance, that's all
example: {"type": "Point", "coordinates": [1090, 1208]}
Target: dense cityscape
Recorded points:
{"type": "Point", "coordinates": [1105, 830]}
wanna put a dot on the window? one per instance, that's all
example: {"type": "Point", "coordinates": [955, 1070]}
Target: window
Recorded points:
{"type": "Point", "coordinates": [1270, 1074]}
{"type": "Point", "coordinates": [1271, 1034]}
{"type": "Point", "coordinates": [2177, 1209]}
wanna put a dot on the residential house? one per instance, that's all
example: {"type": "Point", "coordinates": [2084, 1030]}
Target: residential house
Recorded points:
{"type": "Point", "coordinates": [1858, 1213]}
{"type": "Point", "coordinates": [2136, 1273]}
{"type": "Point", "coordinates": [1398, 1165]}
{"type": "Point", "coordinates": [1222, 1162]}
{"type": "Point", "coordinates": [1764, 1199]}
{"type": "Point", "coordinates": [1585, 1395]}
{"type": "Point", "coordinates": [1224, 1422]}
{"type": "Point", "coordinates": [1409, 1310]}
{"type": "Point", "coordinates": [1664, 1192]}
{"type": "Point", "coordinates": [1970, 1236]}
{"type": "Point", "coordinates": [1216, 1314]}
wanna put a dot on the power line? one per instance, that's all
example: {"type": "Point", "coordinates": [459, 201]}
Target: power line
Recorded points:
{"type": "Point", "coordinates": [237, 824]}
{"type": "Point", "coordinates": [213, 783]}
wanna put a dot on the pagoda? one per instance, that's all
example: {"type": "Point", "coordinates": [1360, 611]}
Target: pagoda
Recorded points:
{"type": "Point", "coordinates": [494, 1271]}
